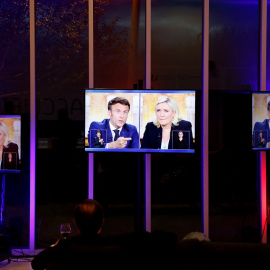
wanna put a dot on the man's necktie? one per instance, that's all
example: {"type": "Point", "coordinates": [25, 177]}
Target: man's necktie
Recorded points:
{"type": "Point", "coordinates": [116, 131]}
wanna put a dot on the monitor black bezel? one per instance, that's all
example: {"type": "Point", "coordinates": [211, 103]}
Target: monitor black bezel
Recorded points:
{"type": "Point", "coordinates": [140, 150]}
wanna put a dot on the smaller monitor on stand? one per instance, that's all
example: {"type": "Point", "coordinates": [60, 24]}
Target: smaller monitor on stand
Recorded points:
{"type": "Point", "coordinates": [10, 143]}
{"type": "Point", "coordinates": [10, 160]}
{"type": "Point", "coordinates": [10, 153]}
{"type": "Point", "coordinates": [260, 121]}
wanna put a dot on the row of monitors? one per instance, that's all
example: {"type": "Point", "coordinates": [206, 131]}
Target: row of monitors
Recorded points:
{"type": "Point", "coordinates": [142, 118]}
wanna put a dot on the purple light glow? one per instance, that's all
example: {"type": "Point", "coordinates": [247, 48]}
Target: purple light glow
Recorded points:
{"type": "Point", "coordinates": [32, 184]}
{"type": "Point", "coordinates": [32, 127]}
{"type": "Point", "coordinates": [148, 192]}
{"type": "Point", "coordinates": [91, 176]}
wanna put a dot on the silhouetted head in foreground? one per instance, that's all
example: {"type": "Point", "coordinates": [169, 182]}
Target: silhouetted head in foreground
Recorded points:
{"type": "Point", "coordinates": [89, 217]}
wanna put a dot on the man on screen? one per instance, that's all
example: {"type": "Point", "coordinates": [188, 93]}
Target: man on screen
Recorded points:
{"type": "Point", "coordinates": [261, 131]}
{"type": "Point", "coordinates": [117, 132]}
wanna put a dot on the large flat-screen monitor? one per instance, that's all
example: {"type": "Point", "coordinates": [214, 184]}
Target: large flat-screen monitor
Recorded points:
{"type": "Point", "coordinates": [260, 120]}
{"type": "Point", "coordinates": [139, 121]}
{"type": "Point", "coordinates": [10, 143]}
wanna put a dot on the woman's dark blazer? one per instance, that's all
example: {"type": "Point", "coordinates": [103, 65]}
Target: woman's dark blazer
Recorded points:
{"type": "Point", "coordinates": [180, 144]}
{"type": "Point", "coordinates": [153, 135]}
{"type": "Point", "coordinates": [11, 148]}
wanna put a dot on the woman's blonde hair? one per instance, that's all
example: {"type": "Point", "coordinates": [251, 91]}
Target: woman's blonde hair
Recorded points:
{"type": "Point", "coordinates": [4, 129]}
{"type": "Point", "coordinates": [173, 105]}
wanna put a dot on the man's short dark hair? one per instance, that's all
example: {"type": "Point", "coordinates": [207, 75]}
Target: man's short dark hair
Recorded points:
{"type": "Point", "coordinates": [268, 106]}
{"type": "Point", "coordinates": [89, 216]}
{"type": "Point", "coordinates": [116, 100]}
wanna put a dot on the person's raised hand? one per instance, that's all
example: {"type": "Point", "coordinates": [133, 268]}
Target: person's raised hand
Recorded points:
{"type": "Point", "coordinates": [120, 143]}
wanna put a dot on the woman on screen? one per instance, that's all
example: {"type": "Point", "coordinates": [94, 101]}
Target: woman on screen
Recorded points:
{"type": "Point", "coordinates": [8, 151]}
{"type": "Point", "coordinates": [162, 133]}
{"type": "Point", "coordinates": [180, 142]}
{"type": "Point", "coordinates": [261, 140]}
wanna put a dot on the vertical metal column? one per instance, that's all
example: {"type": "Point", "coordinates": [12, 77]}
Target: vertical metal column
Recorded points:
{"type": "Point", "coordinates": [91, 85]}
{"type": "Point", "coordinates": [205, 114]}
{"type": "Point", "coordinates": [134, 40]}
{"type": "Point", "coordinates": [262, 87]}
{"type": "Point", "coordinates": [148, 86]}
{"type": "Point", "coordinates": [32, 127]}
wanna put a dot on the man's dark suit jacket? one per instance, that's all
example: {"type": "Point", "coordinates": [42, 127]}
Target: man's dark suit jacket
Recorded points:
{"type": "Point", "coordinates": [119, 251]}
{"type": "Point", "coordinates": [153, 135]}
{"type": "Point", "coordinates": [10, 148]}
{"type": "Point", "coordinates": [264, 126]}
{"type": "Point", "coordinates": [97, 144]}
{"type": "Point", "coordinates": [62, 254]}
{"type": "Point", "coordinates": [128, 131]}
